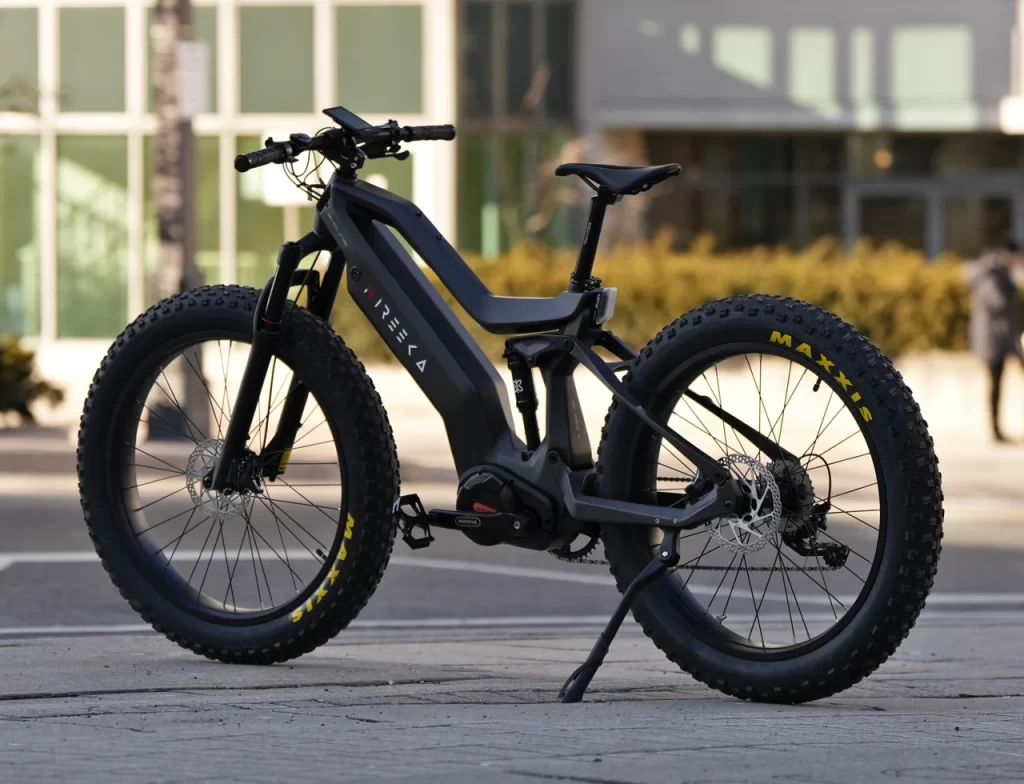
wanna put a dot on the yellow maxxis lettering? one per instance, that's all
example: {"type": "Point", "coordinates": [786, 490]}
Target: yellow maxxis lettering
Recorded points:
{"type": "Point", "coordinates": [321, 593]}
{"type": "Point", "coordinates": [784, 339]}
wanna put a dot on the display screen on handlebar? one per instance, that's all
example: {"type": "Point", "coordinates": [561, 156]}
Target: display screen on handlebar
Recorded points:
{"type": "Point", "coordinates": [346, 119]}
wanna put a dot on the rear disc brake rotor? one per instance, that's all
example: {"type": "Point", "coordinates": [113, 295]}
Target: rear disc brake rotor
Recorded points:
{"type": "Point", "coordinates": [749, 531]}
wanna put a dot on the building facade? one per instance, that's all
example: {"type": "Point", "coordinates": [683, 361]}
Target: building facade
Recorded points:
{"type": "Point", "coordinates": [794, 120]}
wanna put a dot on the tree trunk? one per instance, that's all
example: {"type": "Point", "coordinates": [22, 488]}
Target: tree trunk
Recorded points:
{"type": "Point", "coordinates": [174, 197]}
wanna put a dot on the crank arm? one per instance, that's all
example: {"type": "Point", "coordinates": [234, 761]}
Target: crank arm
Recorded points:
{"type": "Point", "coordinates": [721, 500]}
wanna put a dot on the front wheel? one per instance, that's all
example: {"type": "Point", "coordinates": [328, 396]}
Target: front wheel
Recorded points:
{"type": "Point", "coordinates": [815, 583]}
{"type": "Point", "coordinates": [277, 566]}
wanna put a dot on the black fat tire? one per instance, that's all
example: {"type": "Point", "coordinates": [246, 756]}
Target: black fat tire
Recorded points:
{"type": "Point", "coordinates": [912, 489]}
{"type": "Point", "coordinates": [355, 414]}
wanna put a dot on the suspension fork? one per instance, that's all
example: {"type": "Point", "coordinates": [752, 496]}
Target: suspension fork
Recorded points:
{"type": "Point", "coordinates": [266, 328]}
{"type": "Point", "coordinates": [280, 445]}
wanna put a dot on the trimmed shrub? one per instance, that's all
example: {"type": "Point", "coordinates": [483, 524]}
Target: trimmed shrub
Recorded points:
{"type": "Point", "coordinates": [19, 387]}
{"type": "Point", "coordinates": [902, 301]}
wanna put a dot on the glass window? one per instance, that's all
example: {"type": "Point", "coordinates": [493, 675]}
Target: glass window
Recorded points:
{"type": "Point", "coordinates": [276, 58]}
{"type": "Point", "coordinates": [380, 57]}
{"type": "Point", "coordinates": [204, 28]}
{"type": "Point", "coordinates": [19, 235]}
{"type": "Point", "coordinates": [476, 93]}
{"type": "Point", "coordinates": [893, 218]}
{"type": "Point", "coordinates": [92, 235]}
{"type": "Point", "coordinates": [92, 59]}
{"type": "Point", "coordinates": [260, 227]}
{"type": "Point", "coordinates": [561, 59]}
{"type": "Point", "coordinates": [972, 224]}
{"type": "Point", "coordinates": [507, 193]}
{"type": "Point", "coordinates": [520, 59]}
{"type": "Point", "coordinates": [19, 64]}
{"type": "Point", "coordinates": [823, 212]}
{"type": "Point", "coordinates": [207, 210]}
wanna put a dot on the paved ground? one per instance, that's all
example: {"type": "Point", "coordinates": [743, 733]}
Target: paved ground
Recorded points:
{"type": "Point", "coordinates": [451, 671]}
{"type": "Point", "coordinates": [948, 707]}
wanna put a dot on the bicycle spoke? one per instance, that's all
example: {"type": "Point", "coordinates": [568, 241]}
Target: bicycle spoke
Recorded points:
{"type": "Point", "coordinates": [164, 498]}
{"type": "Point", "coordinates": [834, 462]}
{"type": "Point", "coordinates": [253, 553]}
{"type": "Point", "coordinates": [179, 540]}
{"type": "Point", "coordinates": [202, 380]}
{"type": "Point", "coordinates": [170, 393]}
{"type": "Point", "coordinates": [155, 468]}
{"type": "Point", "coordinates": [168, 429]}
{"type": "Point", "coordinates": [757, 609]}
{"type": "Point", "coordinates": [757, 617]}
{"type": "Point", "coordinates": [157, 525]}
{"type": "Point", "coordinates": [287, 563]}
{"type": "Point", "coordinates": [231, 573]}
{"type": "Point", "coordinates": [158, 459]}
{"type": "Point", "coordinates": [146, 484]}
{"type": "Point", "coordinates": [825, 583]}
{"type": "Point", "coordinates": [202, 549]}
{"type": "Point", "coordinates": [272, 506]}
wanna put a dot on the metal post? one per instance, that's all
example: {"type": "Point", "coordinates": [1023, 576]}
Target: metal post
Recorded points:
{"type": "Point", "coordinates": [580, 277]}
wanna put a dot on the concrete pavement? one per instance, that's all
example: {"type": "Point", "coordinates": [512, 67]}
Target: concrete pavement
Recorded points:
{"type": "Point", "coordinates": [948, 707]}
{"type": "Point", "coordinates": [451, 671]}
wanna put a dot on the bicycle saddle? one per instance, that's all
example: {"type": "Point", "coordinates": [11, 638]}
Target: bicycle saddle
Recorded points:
{"type": "Point", "coordinates": [619, 180]}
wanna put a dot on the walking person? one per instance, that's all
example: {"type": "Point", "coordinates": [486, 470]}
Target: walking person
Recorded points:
{"type": "Point", "coordinates": [995, 318]}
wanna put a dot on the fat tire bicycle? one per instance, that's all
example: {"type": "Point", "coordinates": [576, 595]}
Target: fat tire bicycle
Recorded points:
{"type": "Point", "coordinates": [690, 456]}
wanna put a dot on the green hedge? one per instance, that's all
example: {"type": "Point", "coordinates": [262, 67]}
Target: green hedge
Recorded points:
{"type": "Point", "coordinates": [899, 299]}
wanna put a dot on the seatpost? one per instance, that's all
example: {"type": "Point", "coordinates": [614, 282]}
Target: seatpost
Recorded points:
{"type": "Point", "coordinates": [580, 278]}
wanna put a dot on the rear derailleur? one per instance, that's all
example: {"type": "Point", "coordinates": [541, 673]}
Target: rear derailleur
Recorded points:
{"type": "Point", "coordinates": [801, 537]}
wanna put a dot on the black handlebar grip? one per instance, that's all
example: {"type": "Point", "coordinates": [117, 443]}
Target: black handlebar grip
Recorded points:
{"type": "Point", "coordinates": [262, 157]}
{"type": "Point", "coordinates": [426, 133]}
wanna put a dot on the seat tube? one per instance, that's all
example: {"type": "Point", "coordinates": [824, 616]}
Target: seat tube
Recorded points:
{"type": "Point", "coordinates": [580, 277]}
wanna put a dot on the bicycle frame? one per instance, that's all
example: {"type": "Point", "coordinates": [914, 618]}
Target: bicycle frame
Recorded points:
{"type": "Point", "coordinates": [353, 220]}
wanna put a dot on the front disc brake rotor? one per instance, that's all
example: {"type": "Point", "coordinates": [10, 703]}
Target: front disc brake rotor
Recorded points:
{"type": "Point", "coordinates": [219, 506]}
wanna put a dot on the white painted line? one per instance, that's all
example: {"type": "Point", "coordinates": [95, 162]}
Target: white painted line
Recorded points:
{"type": "Point", "coordinates": [417, 623]}
{"type": "Point", "coordinates": [499, 622]}
{"type": "Point", "coordinates": [934, 600]}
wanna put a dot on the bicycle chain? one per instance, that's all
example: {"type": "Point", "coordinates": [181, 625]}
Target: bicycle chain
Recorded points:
{"type": "Point", "coordinates": [698, 567]}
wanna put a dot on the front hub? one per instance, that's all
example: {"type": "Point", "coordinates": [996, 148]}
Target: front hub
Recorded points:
{"type": "Point", "coordinates": [226, 504]}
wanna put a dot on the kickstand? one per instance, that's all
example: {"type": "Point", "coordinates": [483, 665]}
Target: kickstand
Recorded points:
{"type": "Point", "coordinates": [576, 685]}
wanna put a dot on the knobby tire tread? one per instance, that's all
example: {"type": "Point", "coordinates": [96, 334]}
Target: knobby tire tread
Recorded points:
{"type": "Point", "coordinates": [377, 462]}
{"type": "Point", "coordinates": [920, 483]}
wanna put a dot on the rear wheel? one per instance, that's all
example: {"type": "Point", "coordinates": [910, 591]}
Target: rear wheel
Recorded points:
{"type": "Point", "coordinates": [277, 567]}
{"type": "Point", "coordinates": [817, 581]}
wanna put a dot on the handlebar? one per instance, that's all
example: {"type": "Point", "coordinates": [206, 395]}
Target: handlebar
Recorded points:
{"type": "Point", "coordinates": [388, 135]}
{"type": "Point", "coordinates": [250, 160]}
{"type": "Point", "coordinates": [427, 133]}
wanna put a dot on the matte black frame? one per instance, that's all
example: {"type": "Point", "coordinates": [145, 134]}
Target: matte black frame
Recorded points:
{"type": "Point", "coordinates": [424, 334]}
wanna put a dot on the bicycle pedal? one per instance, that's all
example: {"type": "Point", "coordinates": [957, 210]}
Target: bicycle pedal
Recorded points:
{"type": "Point", "coordinates": [412, 516]}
